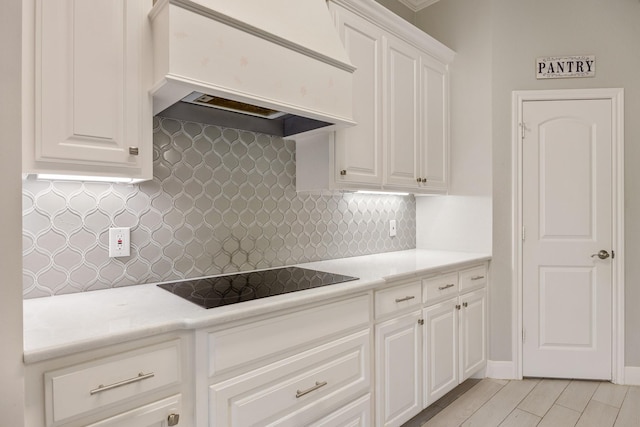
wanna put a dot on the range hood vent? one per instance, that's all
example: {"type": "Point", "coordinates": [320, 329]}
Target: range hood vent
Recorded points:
{"type": "Point", "coordinates": [275, 66]}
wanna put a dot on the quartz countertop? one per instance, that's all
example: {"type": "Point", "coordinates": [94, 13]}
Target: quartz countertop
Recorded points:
{"type": "Point", "coordinates": [66, 324]}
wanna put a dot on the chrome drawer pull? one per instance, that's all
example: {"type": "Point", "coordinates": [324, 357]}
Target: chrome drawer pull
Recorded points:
{"type": "Point", "coordinates": [442, 288]}
{"type": "Point", "coordinates": [405, 298]}
{"type": "Point", "coordinates": [300, 393]}
{"type": "Point", "coordinates": [141, 376]}
{"type": "Point", "coordinates": [477, 277]}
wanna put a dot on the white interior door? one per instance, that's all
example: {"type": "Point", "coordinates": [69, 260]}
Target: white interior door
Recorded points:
{"type": "Point", "coordinates": [567, 218]}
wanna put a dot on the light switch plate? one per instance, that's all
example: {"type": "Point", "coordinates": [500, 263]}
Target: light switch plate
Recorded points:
{"type": "Point", "coordinates": [119, 242]}
{"type": "Point", "coordinates": [392, 228]}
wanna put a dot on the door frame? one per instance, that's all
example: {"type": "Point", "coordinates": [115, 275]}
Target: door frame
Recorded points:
{"type": "Point", "coordinates": [616, 95]}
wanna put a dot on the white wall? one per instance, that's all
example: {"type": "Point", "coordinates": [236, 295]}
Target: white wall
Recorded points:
{"type": "Point", "coordinates": [462, 221]}
{"type": "Point", "coordinates": [399, 9]}
{"type": "Point", "coordinates": [454, 223]}
{"type": "Point", "coordinates": [520, 31]}
{"type": "Point", "coordinates": [11, 367]}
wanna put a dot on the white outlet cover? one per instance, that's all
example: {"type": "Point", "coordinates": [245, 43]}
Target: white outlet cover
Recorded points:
{"type": "Point", "coordinates": [392, 228]}
{"type": "Point", "coordinates": [119, 242]}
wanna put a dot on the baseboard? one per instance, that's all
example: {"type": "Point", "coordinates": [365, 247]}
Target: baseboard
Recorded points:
{"type": "Point", "coordinates": [503, 370]}
{"type": "Point", "coordinates": [632, 375]}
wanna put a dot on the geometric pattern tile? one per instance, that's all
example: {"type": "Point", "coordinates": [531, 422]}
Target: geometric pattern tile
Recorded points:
{"type": "Point", "coordinates": [222, 200]}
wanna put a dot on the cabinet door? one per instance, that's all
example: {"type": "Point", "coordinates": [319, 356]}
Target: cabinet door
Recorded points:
{"type": "Point", "coordinates": [473, 330]}
{"type": "Point", "coordinates": [358, 149]}
{"type": "Point", "coordinates": [163, 413]}
{"type": "Point", "coordinates": [91, 102]}
{"type": "Point", "coordinates": [398, 369]}
{"type": "Point", "coordinates": [440, 349]}
{"type": "Point", "coordinates": [434, 141]}
{"type": "Point", "coordinates": [402, 120]}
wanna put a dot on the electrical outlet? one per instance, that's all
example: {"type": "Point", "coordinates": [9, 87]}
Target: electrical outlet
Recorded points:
{"type": "Point", "coordinates": [119, 242]}
{"type": "Point", "coordinates": [392, 228]}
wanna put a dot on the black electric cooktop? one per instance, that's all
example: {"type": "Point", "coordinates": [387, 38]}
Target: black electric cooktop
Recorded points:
{"type": "Point", "coordinates": [211, 292]}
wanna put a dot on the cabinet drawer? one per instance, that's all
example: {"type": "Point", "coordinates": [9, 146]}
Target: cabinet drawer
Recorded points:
{"type": "Point", "coordinates": [83, 388]}
{"type": "Point", "coordinates": [153, 414]}
{"type": "Point", "coordinates": [473, 278]}
{"type": "Point", "coordinates": [397, 298]}
{"type": "Point", "coordinates": [355, 414]}
{"type": "Point", "coordinates": [440, 287]}
{"type": "Point", "coordinates": [295, 390]}
{"type": "Point", "coordinates": [254, 342]}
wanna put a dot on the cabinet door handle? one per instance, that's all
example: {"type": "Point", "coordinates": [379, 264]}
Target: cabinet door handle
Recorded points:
{"type": "Point", "coordinates": [477, 277]}
{"type": "Point", "coordinates": [442, 288]}
{"type": "Point", "coordinates": [419, 179]}
{"type": "Point", "coordinates": [300, 393]}
{"type": "Point", "coordinates": [457, 306]}
{"type": "Point", "coordinates": [464, 304]}
{"type": "Point", "coordinates": [343, 172]}
{"type": "Point", "coordinates": [141, 376]}
{"type": "Point", "coordinates": [133, 151]}
{"type": "Point", "coordinates": [173, 420]}
{"type": "Point", "coordinates": [424, 179]}
{"type": "Point", "coordinates": [407, 298]}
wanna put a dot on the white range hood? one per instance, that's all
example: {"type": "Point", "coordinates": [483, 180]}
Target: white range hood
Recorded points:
{"type": "Point", "coordinates": [281, 55]}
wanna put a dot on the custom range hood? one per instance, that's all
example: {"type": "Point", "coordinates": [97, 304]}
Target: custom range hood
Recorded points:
{"type": "Point", "coordinates": [274, 66]}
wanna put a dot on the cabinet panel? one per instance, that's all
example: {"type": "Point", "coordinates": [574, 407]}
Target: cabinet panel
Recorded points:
{"type": "Point", "coordinates": [358, 148]}
{"type": "Point", "coordinates": [441, 287]}
{"type": "Point", "coordinates": [434, 153]}
{"type": "Point", "coordinates": [93, 385]}
{"type": "Point", "coordinates": [397, 298]}
{"type": "Point", "coordinates": [398, 370]}
{"type": "Point", "coordinates": [91, 78]}
{"type": "Point", "coordinates": [441, 349]}
{"type": "Point", "coordinates": [355, 414]}
{"type": "Point", "coordinates": [473, 339]}
{"type": "Point", "coordinates": [255, 342]}
{"type": "Point", "coordinates": [155, 414]}
{"type": "Point", "coordinates": [473, 278]}
{"type": "Point", "coordinates": [295, 390]}
{"type": "Point", "coordinates": [401, 101]}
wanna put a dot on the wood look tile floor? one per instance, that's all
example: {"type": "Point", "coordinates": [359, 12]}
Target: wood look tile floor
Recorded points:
{"type": "Point", "coordinates": [534, 402]}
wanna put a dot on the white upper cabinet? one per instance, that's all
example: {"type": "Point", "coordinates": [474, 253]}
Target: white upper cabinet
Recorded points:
{"type": "Point", "coordinates": [434, 125]}
{"type": "Point", "coordinates": [91, 72]}
{"type": "Point", "coordinates": [359, 148]}
{"type": "Point", "coordinates": [402, 103]}
{"type": "Point", "coordinates": [401, 85]}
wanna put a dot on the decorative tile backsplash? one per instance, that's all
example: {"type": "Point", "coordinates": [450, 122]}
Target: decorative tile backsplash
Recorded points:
{"type": "Point", "coordinates": [221, 201]}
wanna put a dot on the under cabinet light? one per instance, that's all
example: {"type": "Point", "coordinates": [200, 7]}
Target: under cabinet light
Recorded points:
{"type": "Point", "coordinates": [57, 177]}
{"type": "Point", "coordinates": [387, 193]}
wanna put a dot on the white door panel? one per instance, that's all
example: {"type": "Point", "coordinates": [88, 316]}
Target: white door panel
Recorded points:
{"type": "Point", "coordinates": [567, 215]}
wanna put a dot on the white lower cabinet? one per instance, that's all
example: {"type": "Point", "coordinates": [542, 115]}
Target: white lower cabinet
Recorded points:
{"type": "Point", "coordinates": [164, 413]}
{"type": "Point", "coordinates": [296, 390]}
{"type": "Point", "coordinates": [139, 384]}
{"type": "Point", "coordinates": [473, 333]}
{"type": "Point", "coordinates": [455, 338]}
{"type": "Point", "coordinates": [355, 414]}
{"type": "Point", "coordinates": [440, 349]}
{"type": "Point", "coordinates": [296, 369]}
{"type": "Point", "coordinates": [398, 369]}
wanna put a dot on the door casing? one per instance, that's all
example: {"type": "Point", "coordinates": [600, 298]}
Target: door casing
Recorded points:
{"type": "Point", "coordinates": [616, 95]}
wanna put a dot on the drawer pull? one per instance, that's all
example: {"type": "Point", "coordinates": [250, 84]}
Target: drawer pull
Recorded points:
{"type": "Point", "coordinates": [405, 298]}
{"type": "Point", "coordinates": [477, 277]}
{"type": "Point", "coordinates": [141, 376]}
{"type": "Point", "coordinates": [442, 288]}
{"type": "Point", "coordinates": [300, 393]}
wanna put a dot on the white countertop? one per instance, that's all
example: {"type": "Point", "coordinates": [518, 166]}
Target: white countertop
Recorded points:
{"type": "Point", "coordinates": [66, 324]}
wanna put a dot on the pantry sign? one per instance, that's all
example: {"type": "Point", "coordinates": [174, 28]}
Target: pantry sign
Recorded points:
{"type": "Point", "coordinates": [565, 67]}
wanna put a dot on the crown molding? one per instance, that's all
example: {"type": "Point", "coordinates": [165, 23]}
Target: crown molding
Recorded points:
{"type": "Point", "coordinates": [417, 5]}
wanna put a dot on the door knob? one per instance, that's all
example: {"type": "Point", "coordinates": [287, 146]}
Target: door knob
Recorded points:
{"type": "Point", "coordinates": [602, 254]}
